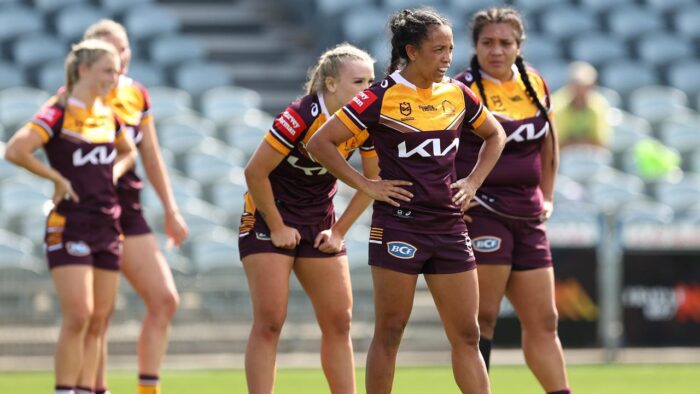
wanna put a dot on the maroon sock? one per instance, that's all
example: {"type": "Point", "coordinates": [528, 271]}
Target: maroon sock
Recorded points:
{"type": "Point", "coordinates": [565, 391]}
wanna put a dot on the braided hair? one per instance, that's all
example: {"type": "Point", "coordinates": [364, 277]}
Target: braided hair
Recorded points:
{"type": "Point", "coordinates": [512, 17]}
{"type": "Point", "coordinates": [410, 27]}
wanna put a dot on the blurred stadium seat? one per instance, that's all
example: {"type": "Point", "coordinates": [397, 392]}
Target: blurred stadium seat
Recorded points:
{"type": "Point", "coordinates": [149, 20]}
{"type": "Point", "coordinates": [196, 78]}
{"type": "Point", "coordinates": [11, 76]}
{"type": "Point", "coordinates": [72, 22]}
{"type": "Point", "coordinates": [221, 103]}
{"type": "Point", "coordinates": [19, 104]}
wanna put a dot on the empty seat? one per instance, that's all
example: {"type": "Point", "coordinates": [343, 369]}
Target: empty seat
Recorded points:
{"type": "Point", "coordinates": [246, 136]}
{"type": "Point", "coordinates": [577, 160]}
{"type": "Point", "coordinates": [7, 169]}
{"type": "Point", "coordinates": [19, 194]}
{"type": "Point", "coordinates": [183, 133]}
{"type": "Point", "coordinates": [19, 22]}
{"type": "Point", "coordinates": [11, 76]}
{"type": "Point", "coordinates": [217, 254]}
{"type": "Point", "coordinates": [598, 48]}
{"type": "Point", "coordinates": [227, 193]}
{"type": "Point", "coordinates": [34, 50]}
{"type": "Point", "coordinates": [661, 49]}
{"type": "Point", "coordinates": [554, 72]}
{"type": "Point", "coordinates": [681, 195]}
{"type": "Point", "coordinates": [612, 189]}
{"type": "Point", "coordinates": [72, 22]}
{"type": "Point", "coordinates": [537, 5]}
{"type": "Point", "coordinates": [50, 6]}
{"type": "Point", "coordinates": [16, 251]}
{"type": "Point", "coordinates": [684, 75]}
{"type": "Point", "coordinates": [568, 21]}
{"type": "Point", "coordinates": [538, 47]}
{"type": "Point", "coordinates": [120, 6]}
{"type": "Point", "coordinates": [212, 161]}
{"type": "Point", "coordinates": [656, 103]}
{"type": "Point", "coordinates": [645, 212]}
{"type": "Point", "coordinates": [685, 22]}
{"type": "Point", "coordinates": [625, 76]}
{"type": "Point", "coordinates": [223, 103]}
{"type": "Point", "coordinates": [169, 101]}
{"type": "Point", "coordinates": [147, 21]}
{"type": "Point", "coordinates": [185, 189]}
{"type": "Point", "coordinates": [362, 24]}
{"type": "Point", "coordinates": [146, 73]}
{"type": "Point", "coordinates": [197, 78]}
{"type": "Point", "coordinates": [172, 50]}
{"type": "Point", "coordinates": [633, 21]}
{"type": "Point", "coordinates": [32, 224]}
{"type": "Point", "coordinates": [18, 105]}
{"type": "Point", "coordinates": [681, 133]}
{"type": "Point", "coordinates": [202, 217]}
{"type": "Point", "coordinates": [52, 75]}
{"type": "Point", "coordinates": [669, 5]}
{"type": "Point", "coordinates": [604, 5]}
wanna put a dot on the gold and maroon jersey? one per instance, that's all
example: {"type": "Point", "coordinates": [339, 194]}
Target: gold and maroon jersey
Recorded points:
{"type": "Point", "coordinates": [303, 189]}
{"type": "Point", "coordinates": [130, 101]}
{"type": "Point", "coordinates": [512, 188]}
{"type": "Point", "coordinates": [416, 134]}
{"type": "Point", "coordinates": [80, 144]}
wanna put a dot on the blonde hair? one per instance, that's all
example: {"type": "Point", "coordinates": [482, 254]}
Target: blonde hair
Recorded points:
{"type": "Point", "coordinates": [329, 65]}
{"type": "Point", "coordinates": [104, 28]}
{"type": "Point", "coordinates": [86, 52]}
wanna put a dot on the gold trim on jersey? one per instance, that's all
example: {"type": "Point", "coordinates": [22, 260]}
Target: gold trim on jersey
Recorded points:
{"type": "Point", "coordinates": [55, 225]}
{"type": "Point", "coordinates": [508, 100]}
{"type": "Point", "coordinates": [406, 110]}
{"type": "Point", "coordinates": [248, 216]}
{"type": "Point", "coordinates": [376, 235]}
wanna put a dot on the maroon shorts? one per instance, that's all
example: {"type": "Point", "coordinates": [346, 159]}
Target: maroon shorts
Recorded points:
{"type": "Point", "coordinates": [83, 239]}
{"type": "Point", "coordinates": [416, 253]}
{"type": "Point", "coordinates": [500, 240]}
{"type": "Point", "coordinates": [132, 220]}
{"type": "Point", "coordinates": [254, 237]}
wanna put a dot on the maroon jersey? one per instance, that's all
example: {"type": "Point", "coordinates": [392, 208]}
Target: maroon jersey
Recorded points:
{"type": "Point", "coordinates": [416, 134]}
{"type": "Point", "coordinates": [512, 188]}
{"type": "Point", "coordinates": [303, 189]}
{"type": "Point", "coordinates": [130, 101]}
{"type": "Point", "coordinates": [79, 143]}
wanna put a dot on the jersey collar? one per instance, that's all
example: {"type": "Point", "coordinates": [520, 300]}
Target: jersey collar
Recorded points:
{"type": "Point", "coordinates": [516, 74]}
{"type": "Point", "coordinates": [322, 102]}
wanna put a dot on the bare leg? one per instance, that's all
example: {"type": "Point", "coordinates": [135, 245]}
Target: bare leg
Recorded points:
{"type": "Point", "coordinates": [457, 299]}
{"type": "Point", "coordinates": [393, 301]}
{"type": "Point", "coordinates": [532, 294]}
{"type": "Point", "coordinates": [74, 289]}
{"type": "Point", "coordinates": [327, 282]}
{"type": "Point", "coordinates": [268, 280]}
{"type": "Point", "coordinates": [105, 287]}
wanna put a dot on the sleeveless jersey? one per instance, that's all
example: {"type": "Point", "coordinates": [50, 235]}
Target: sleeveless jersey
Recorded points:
{"type": "Point", "coordinates": [303, 189]}
{"type": "Point", "coordinates": [512, 187]}
{"type": "Point", "coordinates": [80, 144]}
{"type": "Point", "coordinates": [416, 134]}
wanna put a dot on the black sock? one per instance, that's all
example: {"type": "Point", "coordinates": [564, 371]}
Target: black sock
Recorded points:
{"type": "Point", "coordinates": [565, 391]}
{"type": "Point", "coordinates": [485, 349]}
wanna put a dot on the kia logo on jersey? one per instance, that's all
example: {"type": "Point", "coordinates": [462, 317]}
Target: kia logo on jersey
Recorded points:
{"type": "Point", "coordinates": [431, 147]}
{"type": "Point", "coordinates": [401, 250]}
{"type": "Point", "coordinates": [486, 244]}
{"type": "Point", "coordinates": [98, 155]}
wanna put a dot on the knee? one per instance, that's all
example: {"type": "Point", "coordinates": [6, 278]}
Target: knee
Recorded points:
{"type": "Point", "coordinates": [487, 320]}
{"type": "Point", "coordinates": [544, 324]}
{"type": "Point", "coordinates": [164, 305]}
{"type": "Point", "coordinates": [99, 322]}
{"type": "Point", "coordinates": [337, 324]}
{"type": "Point", "coordinates": [77, 320]}
{"type": "Point", "coordinates": [268, 326]}
{"type": "Point", "coordinates": [391, 331]}
{"type": "Point", "coordinates": [469, 335]}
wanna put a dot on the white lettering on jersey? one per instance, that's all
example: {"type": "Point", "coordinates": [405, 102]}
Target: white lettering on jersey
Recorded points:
{"type": "Point", "coordinates": [292, 160]}
{"type": "Point", "coordinates": [528, 129]}
{"type": "Point", "coordinates": [98, 155]}
{"type": "Point", "coordinates": [431, 144]}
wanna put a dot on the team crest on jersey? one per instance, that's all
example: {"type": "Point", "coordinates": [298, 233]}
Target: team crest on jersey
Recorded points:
{"type": "Point", "coordinates": [401, 250]}
{"type": "Point", "coordinates": [448, 108]}
{"type": "Point", "coordinates": [78, 248]}
{"type": "Point", "coordinates": [486, 244]}
{"type": "Point", "coordinates": [405, 108]}
{"type": "Point", "coordinates": [363, 100]}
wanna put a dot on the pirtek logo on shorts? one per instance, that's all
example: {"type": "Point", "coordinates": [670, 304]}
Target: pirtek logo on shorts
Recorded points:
{"type": "Point", "coordinates": [486, 244]}
{"type": "Point", "coordinates": [78, 248]}
{"type": "Point", "coordinates": [401, 250]}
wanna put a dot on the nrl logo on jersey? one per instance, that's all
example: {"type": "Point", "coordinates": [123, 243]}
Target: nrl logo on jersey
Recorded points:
{"type": "Point", "coordinates": [405, 108]}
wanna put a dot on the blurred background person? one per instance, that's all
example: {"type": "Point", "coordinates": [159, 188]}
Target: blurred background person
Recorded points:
{"type": "Point", "coordinates": [580, 112]}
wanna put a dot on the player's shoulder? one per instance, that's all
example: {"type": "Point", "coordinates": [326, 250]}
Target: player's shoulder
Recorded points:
{"type": "Point", "coordinates": [534, 75]}
{"type": "Point", "coordinates": [132, 85]}
{"type": "Point", "coordinates": [307, 108]}
{"type": "Point", "coordinates": [466, 77]}
{"type": "Point", "coordinates": [51, 112]}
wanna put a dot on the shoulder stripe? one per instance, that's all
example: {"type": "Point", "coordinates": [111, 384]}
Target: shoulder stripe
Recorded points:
{"type": "Point", "coordinates": [44, 126]}
{"type": "Point", "coordinates": [354, 118]}
{"type": "Point", "coordinates": [280, 138]}
{"type": "Point", "coordinates": [477, 114]}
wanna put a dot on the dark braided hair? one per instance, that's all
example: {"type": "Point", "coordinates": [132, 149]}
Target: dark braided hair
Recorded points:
{"type": "Point", "coordinates": [410, 27]}
{"type": "Point", "coordinates": [512, 17]}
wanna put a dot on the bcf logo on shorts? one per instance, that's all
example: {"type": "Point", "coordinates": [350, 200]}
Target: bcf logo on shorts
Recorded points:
{"type": "Point", "coordinates": [78, 248]}
{"type": "Point", "coordinates": [486, 244]}
{"type": "Point", "coordinates": [401, 250]}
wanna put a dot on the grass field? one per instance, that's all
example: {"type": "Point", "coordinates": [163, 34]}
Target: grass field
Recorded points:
{"type": "Point", "coordinates": [633, 379]}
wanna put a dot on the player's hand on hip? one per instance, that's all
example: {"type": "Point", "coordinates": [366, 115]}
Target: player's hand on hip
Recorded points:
{"type": "Point", "coordinates": [547, 210]}
{"type": "Point", "coordinates": [285, 238]}
{"type": "Point", "coordinates": [471, 205]}
{"type": "Point", "coordinates": [388, 191]}
{"type": "Point", "coordinates": [62, 190]}
{"type": "Point", "coordinates": [465, 191]}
